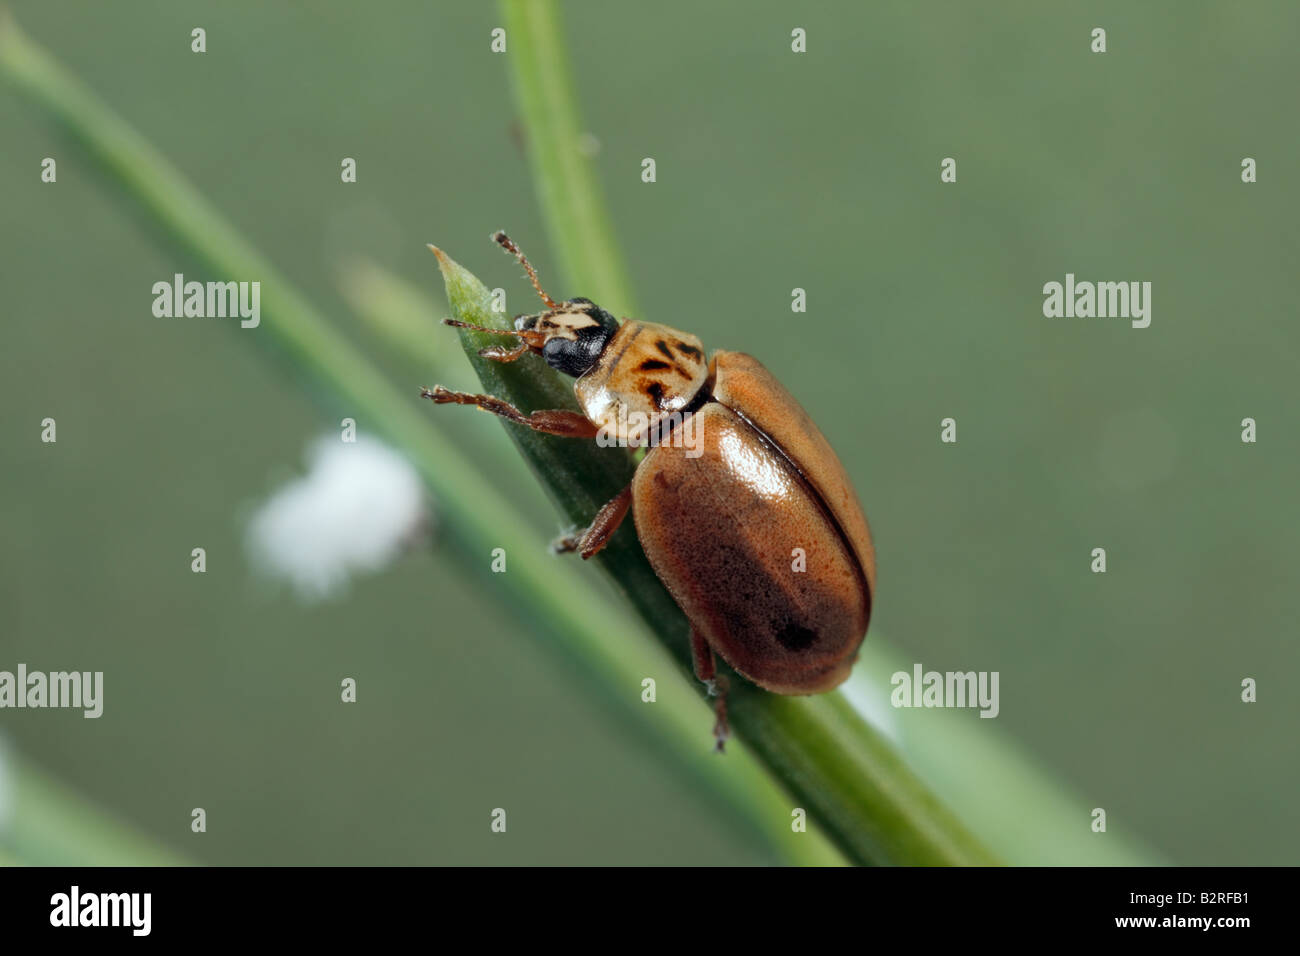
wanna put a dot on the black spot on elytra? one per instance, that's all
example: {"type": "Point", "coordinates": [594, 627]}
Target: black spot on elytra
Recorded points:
{"type": "Point", "coordinates": [795, 637]}
{"type": "Point", "coordinates": [690, 350]}
{"type": "Point", "coordinates": [662, 346]}
{"type": "Point", "coordinates": [652, 365]}
{"type": "Point", "coordinates": [656, 392]}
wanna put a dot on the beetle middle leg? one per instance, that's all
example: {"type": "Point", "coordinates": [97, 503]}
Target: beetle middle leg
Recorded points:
{"type": "Point", "coordinates": [601, 529]}
{"type": "Point", "coordinates": [706, 669]}
{"type": "Point", "coordinates": [552, 421]}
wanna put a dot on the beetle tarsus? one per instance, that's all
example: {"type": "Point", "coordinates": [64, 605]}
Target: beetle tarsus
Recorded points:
{"type": "Point", "coordinates": [565, 544]}
{"type": "Point", "coordinates": [706, 669]}
{"type": "Point", "coordinates": [721, 729]}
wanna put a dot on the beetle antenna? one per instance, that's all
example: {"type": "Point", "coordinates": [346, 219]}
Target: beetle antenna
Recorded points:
{"type": "Point", "coordinates": [478, 328]}
{"type": "Point", "coordinates": [529, 338]}
{"type": "Point", "coordinates": [508, 244]}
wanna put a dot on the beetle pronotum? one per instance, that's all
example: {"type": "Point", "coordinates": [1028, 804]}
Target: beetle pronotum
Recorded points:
{"type": "Point", "coordinates": [719, 525]}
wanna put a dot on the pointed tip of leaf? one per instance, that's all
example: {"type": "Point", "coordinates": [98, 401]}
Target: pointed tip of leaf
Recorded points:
{"type": "Point", "coordinates": [470, 299]}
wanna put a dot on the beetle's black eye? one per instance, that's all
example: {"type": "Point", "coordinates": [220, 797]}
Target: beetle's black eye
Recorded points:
{"type": "Point", "coordinates": [576, 356]}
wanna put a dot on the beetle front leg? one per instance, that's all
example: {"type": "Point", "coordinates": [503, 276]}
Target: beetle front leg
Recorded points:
{"type": "Point", "coordinates": [601, 529]}
{"type": "Point", "coordinates": [706, 669]}
{"type": "Point", "coordinates": [552, 421]}
{"type": "Point", "coordinates": [499, 353]}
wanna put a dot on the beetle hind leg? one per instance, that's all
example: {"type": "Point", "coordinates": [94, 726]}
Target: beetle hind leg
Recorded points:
{"type": "Point", "coordinates": [706, 669]}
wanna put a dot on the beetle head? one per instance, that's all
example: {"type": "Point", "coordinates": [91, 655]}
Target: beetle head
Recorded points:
{"type": "Point", "coordinates": [570, 337]}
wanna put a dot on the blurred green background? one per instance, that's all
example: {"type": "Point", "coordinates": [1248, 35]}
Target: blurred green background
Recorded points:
{"type": "Point", "coordinates": [775, 171]}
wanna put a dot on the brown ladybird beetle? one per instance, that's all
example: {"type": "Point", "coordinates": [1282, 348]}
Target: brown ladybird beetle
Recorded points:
{"type": "Point", "coordinates": [754, 528]}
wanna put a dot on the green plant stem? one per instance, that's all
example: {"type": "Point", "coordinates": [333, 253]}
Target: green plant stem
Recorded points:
{"type": "Point", "coordinates": [816, 748]}
{"type": "Point", "coordinates": [48, 825]}
{"type": "Point", "coordinates": [837, 766]}
{"type": "Point", "coordinates": [572, 203]}
{"type": "Point", "coordinates": [612, 652]}
{"type": "Point", "coordinates": [964, 761]}
{"type": "Point", "coordinates": [997, 789]}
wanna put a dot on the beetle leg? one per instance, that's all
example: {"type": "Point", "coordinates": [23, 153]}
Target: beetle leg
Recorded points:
{"type": "Point", "coordinates": [601, 529]}
{"type": "Point", "coordinates": [553, 421]}
{"type": "Point", "coordinates": [706, 669]}
{"type": "Point", "coordinates": [565, 543]}
{"type": "Point", "coordinates": [499, 353]}
{"type": "Point", "coordinates": [721, 729]}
